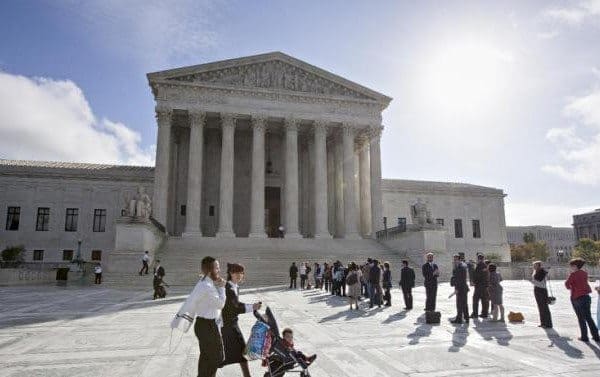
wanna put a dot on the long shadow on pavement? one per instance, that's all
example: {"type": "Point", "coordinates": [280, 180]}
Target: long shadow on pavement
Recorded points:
{"type": "Point", "coordinates": [422, 331]}
{"type": "Point", "coordinates": [562, 342]}
{"type": "Point", "coordinates": [490, 330]}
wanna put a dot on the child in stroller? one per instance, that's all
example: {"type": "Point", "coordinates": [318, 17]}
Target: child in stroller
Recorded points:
{"type": "Point", "coordinates": [282, 357]}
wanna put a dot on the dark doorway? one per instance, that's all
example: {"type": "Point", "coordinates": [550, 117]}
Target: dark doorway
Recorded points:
{"type": "Point", "coordinates": [272, 211]}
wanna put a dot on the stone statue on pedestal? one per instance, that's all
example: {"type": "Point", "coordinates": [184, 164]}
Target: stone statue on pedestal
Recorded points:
{"type": "Point", "coordinates": [418, 213]}
{"type": "Point", "coordinates": [138, 207]}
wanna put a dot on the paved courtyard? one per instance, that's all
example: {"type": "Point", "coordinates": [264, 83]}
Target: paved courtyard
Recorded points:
{"type": "Point", "coordinates": [94, 331]}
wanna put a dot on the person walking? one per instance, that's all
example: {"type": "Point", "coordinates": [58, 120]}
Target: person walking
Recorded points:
{"type": "Point", "coordinates": [461, 290]}
{"type": "Point", "coordinates": [577, 283]}
{"type": "Point", "coordinates": [98, 274]}
{"type": "Point", "coordinates": [540, 291]}
{"type": "Point", "coordinates": [495, 293]}
{"type": "Point", "coordinates": [353, 281]}
{"type": "Point", "coordinates": [233, 339]}
{"type": "Point", "coordinates": [481, 281]}
{"type": "Point", "coordinates": [387, 284]}
{"type": "Point", "coordinates": [430, 272]}
{"type": "Point", "coordinates": [407, 283]}
{"type": "Point", "coordinates": [145, 260]}
{"type": "Point", "coordinates": [157, 282]}
{"type": "Point", "coordinates": [204, 305]}
{"type": "Point", "coordinates": [293, 275]}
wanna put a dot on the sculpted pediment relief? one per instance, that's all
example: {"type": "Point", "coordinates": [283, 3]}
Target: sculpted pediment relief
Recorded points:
{"type": "Point", "coordinates": [274, 74]}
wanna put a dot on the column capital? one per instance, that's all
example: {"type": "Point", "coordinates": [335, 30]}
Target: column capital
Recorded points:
{"type": "Point", "coordinates": [321, 126]}
{"type": "Point", "coordinates": [228, 120]}
{"type": "Point", "coordinates": [163, 113]}
{"type": "Point", "coordinates": [197, 118]}
{"type": "Point", "coordinates": [259, 122]}
{"type": "Point", "coordinates": [375, 132]}
{"type": "Point", "coordinates": [291, 123]}
{"type": "Point", "coordinates": [349, 128]}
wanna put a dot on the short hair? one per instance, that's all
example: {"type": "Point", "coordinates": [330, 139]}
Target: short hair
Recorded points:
{"type": "Point", "coordinates": [207, 263]}
{"type": "Point", "coordinates": [386, 264]}
{"type": "Point", "coordinates": [146, 251]}
{"type": "Point", "coordinates": [577, 262]}
{"type": "Point", "coordinates": [537, 262]}
{"type": "Point", "coordinates": [480, 256]}
{"type": "Point", "coordinates": [287, 330]}
{"type": "Point", "coordinates": [492, 267]}
{"type": "Point", "coordinates": [405, 262]}
{"type": "Point", "coordinates": [428, 254]}
{"type": "Point", "coordinates": [456, 256]}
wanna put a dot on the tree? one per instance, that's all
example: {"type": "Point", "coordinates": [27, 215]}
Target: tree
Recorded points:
{"type": "Point", "coordinates": [588, 250]}
{"type": "Point", "coordinates": [528, 237]}
{"type": "Point", "coordinates": [530, 251]}
{"type": "Point", "coordinates": [13, 255]}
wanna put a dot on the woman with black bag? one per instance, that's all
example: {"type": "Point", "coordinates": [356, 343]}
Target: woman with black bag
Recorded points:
{"type": "Point", "coordinates": [538, 279]}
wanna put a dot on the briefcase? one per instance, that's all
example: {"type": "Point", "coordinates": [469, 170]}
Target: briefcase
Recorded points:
{"type": "Point", "coordinates": [433, 318]}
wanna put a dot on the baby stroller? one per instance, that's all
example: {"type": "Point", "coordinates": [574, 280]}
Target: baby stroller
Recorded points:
{"type": "Point", "coordinates": [279, 359]}
{"type": "Point", "coordinates": [159, 288]}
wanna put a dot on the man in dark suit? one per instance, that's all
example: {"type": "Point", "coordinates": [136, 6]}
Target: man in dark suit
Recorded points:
{"type": "Point", "coordinates": [461, 290]}
{"type": "Point", "coordinates": [407, 283]}
{"type": "Point", "coordinates": [293, 275]}
{"type": "Point", "coordinates": [481, 281]}
{"type": "Point", "coordinates": [375, 279]}
{"type": "Point", "coordinates": [430, 274]}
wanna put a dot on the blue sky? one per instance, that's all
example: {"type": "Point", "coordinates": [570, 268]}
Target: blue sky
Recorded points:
{"type": "Point", "coordinates": [505, 94]}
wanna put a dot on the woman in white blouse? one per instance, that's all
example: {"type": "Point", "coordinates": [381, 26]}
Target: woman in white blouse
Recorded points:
{"type": "Point", "coordinates": [204, 305]}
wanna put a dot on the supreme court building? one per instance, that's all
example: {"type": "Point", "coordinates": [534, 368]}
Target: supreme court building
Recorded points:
{"type": "Point", "coordinates": [247, 145]}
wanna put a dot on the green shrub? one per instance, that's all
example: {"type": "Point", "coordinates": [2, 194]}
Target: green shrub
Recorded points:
{"type": "Point", "coordinates": [589, 250]}
{"type": "Point", "coordinates": [13, 254]}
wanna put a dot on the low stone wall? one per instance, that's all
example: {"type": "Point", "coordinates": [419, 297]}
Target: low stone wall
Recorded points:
{"type": "Point", "coordinates": [21, 276]}
{"type": "Point", "coordinates": [560, 272]}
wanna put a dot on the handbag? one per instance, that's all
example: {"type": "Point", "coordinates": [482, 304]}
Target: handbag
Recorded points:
{"type": "Point", "coordinates": [551, 299]}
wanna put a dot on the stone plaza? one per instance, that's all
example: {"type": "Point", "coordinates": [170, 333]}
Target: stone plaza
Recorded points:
{"type": "Point", "coordinates": [95, 331]}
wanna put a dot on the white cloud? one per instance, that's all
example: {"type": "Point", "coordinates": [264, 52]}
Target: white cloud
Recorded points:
{"type": "Point", "coordinates": [45, 119]}
{"type": "Point", "coordinates": [575, 13]}
{"type": "Point", "coordinates": [521, 214]}
{"type": "Point", "coordinates": [579, 155]}
{"type": "Point", "coordinates": [155, 33]}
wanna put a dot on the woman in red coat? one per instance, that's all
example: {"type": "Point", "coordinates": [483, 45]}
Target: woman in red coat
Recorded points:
{"type": "Point", "coordinates": [580, 289]}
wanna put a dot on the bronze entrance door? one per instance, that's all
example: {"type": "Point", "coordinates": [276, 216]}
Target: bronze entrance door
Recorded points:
{"type": "Point", "coordinates": [272, 211]}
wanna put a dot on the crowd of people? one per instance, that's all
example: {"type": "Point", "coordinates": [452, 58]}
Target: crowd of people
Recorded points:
{"type": "Point", "coordinates": [213, 306]}
{"type": "Point", "coordinates": [372, 281]}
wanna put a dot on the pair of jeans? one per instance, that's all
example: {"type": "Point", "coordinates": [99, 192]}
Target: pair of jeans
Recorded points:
{"type": "Point", "coordinates": [582, 306]}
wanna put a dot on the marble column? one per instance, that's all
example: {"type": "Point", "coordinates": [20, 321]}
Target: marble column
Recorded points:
{"type": "Point", "coordinates": [291, 179]}
{"type": "Point", "coordinates": [226, 183]}
{"type": "Point", "coordinates": [162, 170]}
{"type": "Point", "coordinates": [375, 159]}
{"type": "Point", "coordinates": [257, 205]}
{"type": "Point", "coordinates": [350, 219]}
{"type": "Point", "coordinates": [320, 181]}
{"type": "Point", "coordinates": [194, 181]}
{"type": "Point", "coordinates": [338, 162]}
{"type": "Point", "coordinates": [364, 186]}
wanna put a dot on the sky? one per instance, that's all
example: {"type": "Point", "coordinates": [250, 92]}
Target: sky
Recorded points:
{"type": "Point", "coordinates": [503, 94]}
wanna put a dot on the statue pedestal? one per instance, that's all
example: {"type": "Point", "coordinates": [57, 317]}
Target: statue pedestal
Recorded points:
{"type": "Point", "coordinates": [133, 237]}
{"type": "Point", "coordinates": [418, 242]}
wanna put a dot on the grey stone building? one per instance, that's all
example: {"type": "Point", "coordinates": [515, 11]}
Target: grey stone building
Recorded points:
{"type": "Point", "coordinates": [587, 225]}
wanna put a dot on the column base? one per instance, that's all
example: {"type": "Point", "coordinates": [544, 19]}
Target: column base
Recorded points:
{"type": "Point", "coordinates": [292, 236]}
{"type": "Point", "coordinates": [353, 236]}
{"type": "Point", "coordinates": [193, 234]}
{"type": "Point", "coordinates": [323, 236]}
{"type": "Point", "coordinates": [227, 234]}
{"type": "Point", "coordinates": [257, 235]}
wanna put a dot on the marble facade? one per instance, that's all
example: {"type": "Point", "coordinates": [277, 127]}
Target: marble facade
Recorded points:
{"type": "Point", "coordinates": [236, 134]}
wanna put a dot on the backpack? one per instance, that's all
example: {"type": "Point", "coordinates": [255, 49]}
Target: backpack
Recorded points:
{"type": "Point", "coordinates": [352, 279]}
{"type": "Point", "coordinates": [433, 318]}
{"type": "Point", "coordinates": [515, 317]}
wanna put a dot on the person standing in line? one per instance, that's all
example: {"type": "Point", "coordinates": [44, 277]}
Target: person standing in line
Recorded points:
{"type": "Point", "coordinates": [496, 293]}
{"type": "Point", "coordinates": [353, 281]}
{"type": "Point", "coordinates": [375, 280]}
{"type": "Point", "coordinates": [481, 282]}
{"type": "Point", "coordinates": [580, 289]}
{"type": "Point", "coordinates": [326, 276]}
{"type": "Point", "coordinates": [430, 272]}
{"type": "Point", "coordinates": [293, 275]}
{"type": "Point", "coordinates": [407, 283]}
{"type": "Point", "coordinates": [145, 260]}
{"type": "Point", "coordinates": [204, 305]}
{"type": "Point", "coordinates": [538, 279]}
{"type": "Point", "coordinates": [387, 284]}
{"type": "Point", "coordinates": [366, 273]}
{"type": "Point", "coordinates": [233, 339]}
{"type": "Point", "coordinates": [461, 290]}
{"type": "Point", "coordinates": [344, 273]}
{"type": "Point", "coordinates": [303, 276]}
{"type": "Point", "coordinates": [98, 274]}
{"type": "Point", "coordinates": [317, 276]}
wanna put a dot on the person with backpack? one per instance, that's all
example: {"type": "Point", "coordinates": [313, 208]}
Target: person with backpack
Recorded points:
{"type": "Point", "coordinates": [353, 281]}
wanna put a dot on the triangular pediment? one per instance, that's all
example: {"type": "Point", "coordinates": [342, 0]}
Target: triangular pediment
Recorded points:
{"type": "Point", "coordinates": [274, 71]}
